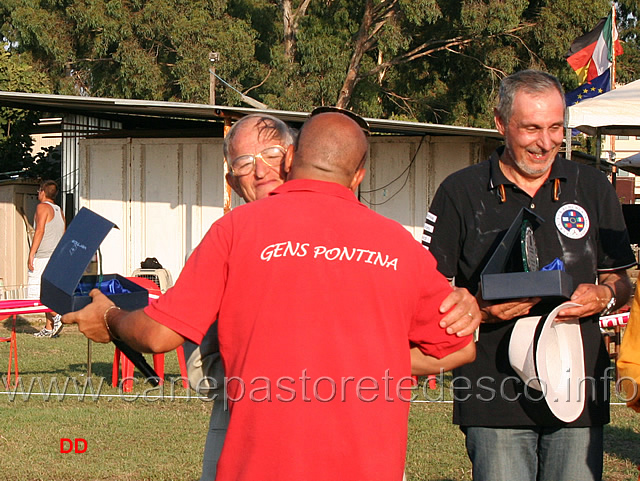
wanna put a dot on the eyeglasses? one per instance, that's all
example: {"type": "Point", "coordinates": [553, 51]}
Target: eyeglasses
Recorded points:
{"type": "Point", "coordinates": [246, 164]}
{"type": "Point", "coordinates": [364, 125]}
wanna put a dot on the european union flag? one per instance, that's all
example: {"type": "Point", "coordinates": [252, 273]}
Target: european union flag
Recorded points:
{"type": "Point", "coordinates": [593, 88]}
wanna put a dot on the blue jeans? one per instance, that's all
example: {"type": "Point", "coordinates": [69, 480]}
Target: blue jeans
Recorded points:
{"type": "Point", "coordinates": [535, 454]}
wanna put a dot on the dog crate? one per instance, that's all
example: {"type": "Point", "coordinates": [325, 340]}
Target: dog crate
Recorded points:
{"type": "Point", "coordinates": [161, 277]}
{"type": "Point", "coordinates": [13, 292]}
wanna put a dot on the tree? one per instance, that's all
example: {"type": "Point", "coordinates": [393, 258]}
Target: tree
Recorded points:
{"type": "Point", "coordinates": [428, 60]}
{"type": "Point", "coordinates": [436, 47]}
{"type": "Point", "coordinates": [290, 24]}
{"type": "Point", "coordinates": [17, 74]}
{"type": "Point", "coordinates": [628, 64]}
{"type": "Point", "coordinates": [146, 49]}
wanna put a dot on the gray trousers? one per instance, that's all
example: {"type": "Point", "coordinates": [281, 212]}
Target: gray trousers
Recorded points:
{"type": "Point", "coordinates": [218, 425]}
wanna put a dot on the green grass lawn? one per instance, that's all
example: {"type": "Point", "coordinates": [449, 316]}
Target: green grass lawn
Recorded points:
{"type": "Point", "coordinates": [140, 437]}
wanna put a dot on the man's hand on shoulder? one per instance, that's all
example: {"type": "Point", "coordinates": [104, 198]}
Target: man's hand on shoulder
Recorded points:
{"type": "Point", "coordinates": [463, 314]}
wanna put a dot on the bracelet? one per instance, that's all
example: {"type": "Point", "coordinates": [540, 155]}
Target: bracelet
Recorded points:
{"type": "Point", "coordinates": [612, 302]}
{"type": "Point", "coordinates": [613, 293]}
{"type": "Point", "coordinates": [106, 324]}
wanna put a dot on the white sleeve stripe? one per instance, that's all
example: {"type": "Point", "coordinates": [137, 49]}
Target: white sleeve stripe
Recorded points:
{"type": "Point", "coordinates": [610, 269]}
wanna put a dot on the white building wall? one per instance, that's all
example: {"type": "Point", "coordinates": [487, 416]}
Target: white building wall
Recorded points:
{"type": "Point", "coordinates": [164, 194]}
{"type": "Point", "coordinates": [404, 174]}
{"type": "Point", "coordinates": [74, 129]}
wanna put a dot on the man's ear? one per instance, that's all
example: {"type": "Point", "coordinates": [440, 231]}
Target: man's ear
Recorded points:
{"type": "Point", "coordinates": [500, 126]}
{"type": "Point", "coordinates": [288, 160]}
{"type": "Point", "coordinates": [358, 177]}
{"type": "Point", "coordinates": [232, 180]}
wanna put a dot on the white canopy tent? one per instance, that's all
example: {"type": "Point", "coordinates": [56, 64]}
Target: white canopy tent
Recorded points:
{"type": "Point", "coordinates": [616, 112]}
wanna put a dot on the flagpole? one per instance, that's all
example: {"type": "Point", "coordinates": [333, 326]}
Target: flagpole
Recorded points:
{"type": "Point", "coordinates": [613, 46]}
{"type": "Point", "coordinates": [613, 86]}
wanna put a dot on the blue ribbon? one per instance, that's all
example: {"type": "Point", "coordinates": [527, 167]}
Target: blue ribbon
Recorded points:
{"type": "Point", "coordinates": [112, 286]}
{"type": "Point", "coordinates": [555, 265]}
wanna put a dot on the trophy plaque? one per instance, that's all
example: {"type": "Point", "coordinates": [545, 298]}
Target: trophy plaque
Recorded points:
{"type": "Point", "coordinates": [513, 270]}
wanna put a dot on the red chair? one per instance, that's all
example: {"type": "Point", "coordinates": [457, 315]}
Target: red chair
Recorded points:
{"type": "Point", "coordinates": [13, 352]}
{"type": "Point", "coordinates": [121, 362]}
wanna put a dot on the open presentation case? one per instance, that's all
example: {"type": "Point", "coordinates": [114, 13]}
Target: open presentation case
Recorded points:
{"type": "Point", "coordinates": [65, 289]}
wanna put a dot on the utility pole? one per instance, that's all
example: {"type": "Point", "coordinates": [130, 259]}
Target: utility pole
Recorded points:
{"type": "Point", "coordinates": [213, 58]}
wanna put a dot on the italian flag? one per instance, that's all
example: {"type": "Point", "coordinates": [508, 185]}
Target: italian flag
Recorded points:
{"type": "Point", "coordinates": [592, 54]}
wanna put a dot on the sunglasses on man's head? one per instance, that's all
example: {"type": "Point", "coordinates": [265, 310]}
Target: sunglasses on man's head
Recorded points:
{"type": "Point", "coordinates": [352, 115]}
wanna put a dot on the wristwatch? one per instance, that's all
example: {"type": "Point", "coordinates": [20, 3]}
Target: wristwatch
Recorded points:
{"type": "Point", "coordinates": [612, 303]}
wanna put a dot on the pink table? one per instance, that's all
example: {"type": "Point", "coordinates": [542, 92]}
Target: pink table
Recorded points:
{"type": "Point", "coordinates": [15, 307]}
{"type": "Point", "coordinates": [12, 308]}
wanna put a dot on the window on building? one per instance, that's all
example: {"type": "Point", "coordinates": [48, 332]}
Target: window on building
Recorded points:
{"type": "Point", "coordinates": [622, 137]}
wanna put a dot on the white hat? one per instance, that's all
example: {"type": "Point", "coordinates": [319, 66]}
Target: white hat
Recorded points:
{"type": "Point", "coordinates": [557, 368]}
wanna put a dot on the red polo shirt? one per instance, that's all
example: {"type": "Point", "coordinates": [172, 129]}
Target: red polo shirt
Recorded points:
{"type": "Point", "coordinates": [318, 299]}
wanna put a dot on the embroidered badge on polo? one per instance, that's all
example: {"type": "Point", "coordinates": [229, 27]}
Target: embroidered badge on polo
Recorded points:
{"type": "Point", "coordinates": [572, 221]}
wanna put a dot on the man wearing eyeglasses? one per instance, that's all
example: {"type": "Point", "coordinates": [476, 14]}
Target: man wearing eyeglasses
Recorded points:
{"type": "Point", "coordinates": [254, 149]}
{"type": "Point", "coordinates": [317, 299]}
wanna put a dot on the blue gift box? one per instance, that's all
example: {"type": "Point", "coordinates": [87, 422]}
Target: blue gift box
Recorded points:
{"type": "Point", "coordinates": [64, 289]}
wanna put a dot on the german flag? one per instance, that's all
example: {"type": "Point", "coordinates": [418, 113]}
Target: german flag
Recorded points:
{"type": "Point", "coordinates": [591, 54]}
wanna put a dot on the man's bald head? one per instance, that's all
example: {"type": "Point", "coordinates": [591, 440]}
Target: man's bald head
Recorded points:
{"type": "Point", "coordinates": [331, 147]}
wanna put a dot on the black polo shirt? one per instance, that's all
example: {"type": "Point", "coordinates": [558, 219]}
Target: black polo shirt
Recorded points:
{"type": "Point", "coordinates": [584, 227]}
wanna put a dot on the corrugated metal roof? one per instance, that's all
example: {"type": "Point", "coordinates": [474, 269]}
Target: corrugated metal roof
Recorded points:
{"type": "Point", "coordinates": [94, 106]}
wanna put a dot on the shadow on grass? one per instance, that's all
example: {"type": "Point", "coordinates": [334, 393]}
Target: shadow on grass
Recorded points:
{"type": "Point", "coordinates": [98, 369]}
{"type": "Point", "coordinates": [22, 325]}
{"type": "Point", "coordinates": [622, 442]}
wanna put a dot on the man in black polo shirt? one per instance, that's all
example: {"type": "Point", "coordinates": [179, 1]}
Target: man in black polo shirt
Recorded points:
{"type": "Point", "coordinates": [510, 436]}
